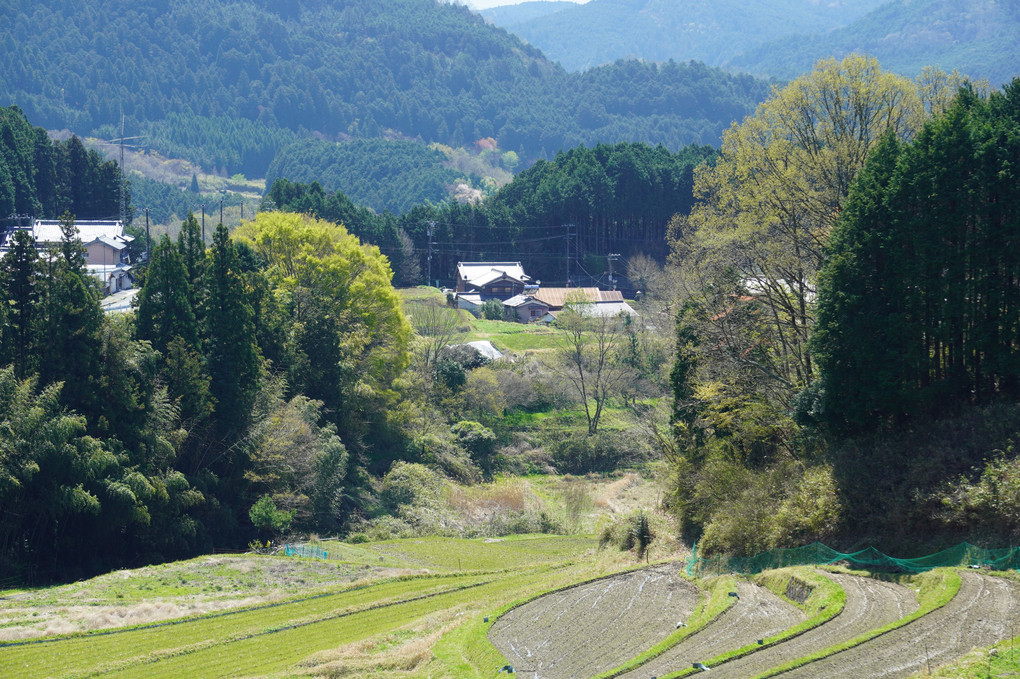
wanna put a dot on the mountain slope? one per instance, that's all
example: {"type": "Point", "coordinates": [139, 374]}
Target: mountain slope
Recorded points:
{"type": "Point", "coordinates": [228, 83]}
{"type": "Point", "coordinates": [713, 31]}
{"type": "Point", "coordinates": [981, 38]}
{"type": "Point", "coordinates": [507, 15]}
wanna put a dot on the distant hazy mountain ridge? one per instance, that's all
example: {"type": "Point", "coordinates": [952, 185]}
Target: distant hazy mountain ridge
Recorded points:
{"type": "Point", "coordinates": [781, 38]}
{"type": "Point", "coordinates": [980, 38]}
{"type": "Point", "coordinates": [713, 31]}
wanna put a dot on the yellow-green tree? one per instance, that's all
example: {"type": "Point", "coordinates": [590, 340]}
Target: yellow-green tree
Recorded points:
{"type": "Point", "coordinates": [748, 256]}
{"type": "Point", "coordinates": [753, 244]}
{"type": "Point", "coordinates": [349, 337]}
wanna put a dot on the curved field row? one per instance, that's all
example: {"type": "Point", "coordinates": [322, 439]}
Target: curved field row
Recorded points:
{"type": "Point", "coordinates": [757, 614]}
{"type": "Point", "coordinates": [983, 612]}
{"type": "Point", "coordinates": [584, 630]}
{"type": "Point", "coordinates": [869, 604]}
{"type": "Point", "coordinates": [98, 653]}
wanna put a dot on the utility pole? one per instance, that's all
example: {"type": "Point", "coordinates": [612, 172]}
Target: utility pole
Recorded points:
{"type": "Point", "coordinates": [123, 173]}
{"type": "Point", "coordinates": [147, 254]}
{"type": "Point", "coordinates": [203, 223]}
{"type": "Point", "coordinates": [432, 225]}
{"type": "Point", "coordinates": [612, 281]}
{"type": "Point", "coordinates": [567, 238]}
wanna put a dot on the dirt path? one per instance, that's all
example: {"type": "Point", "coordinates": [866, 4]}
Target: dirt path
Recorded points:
{"type": "Point", "coordinates": [869, 604]}
{"type": "Point", "coordinates": [983, 612]}
{"type": "Point", "coordinates": [756, 615]}
{"type": "Point", "coordinates": [585, 630]}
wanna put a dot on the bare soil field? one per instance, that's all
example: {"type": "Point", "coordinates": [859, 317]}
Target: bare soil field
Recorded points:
{"type": "Point", "coordinates": [581, 631]}
{"type": "Point", "coordinates": [984, 611]}
{"type": "Point", "coordinates": [756, 615]}
{"type": "Point", "coordinates": [869, 604]}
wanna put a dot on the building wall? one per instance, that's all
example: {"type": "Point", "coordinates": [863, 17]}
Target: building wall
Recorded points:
{"type": "Point", "coordinates": [100, 253]}
{"type": "Point", "coordinates": [528, 313]}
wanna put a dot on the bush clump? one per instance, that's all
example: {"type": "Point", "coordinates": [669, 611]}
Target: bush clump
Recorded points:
{"type": "Point", "coordinates": [604, 451]}
{"type": "Point", "coordinates": [413, 495]}
{"type": "Point", "coordinates": [631, 533]}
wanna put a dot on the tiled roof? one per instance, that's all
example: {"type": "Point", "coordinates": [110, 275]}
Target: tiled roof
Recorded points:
{"type": "Point", "coordinates": [470, 271]}
{"type": "Point", "coordinates": [48, 230]}
{"type": "Point", "coordinates": [521, 300]}
{"type": "Point", "coordinates": [491, 277]}
{"type": "Point", "coordinates": [557, 297]}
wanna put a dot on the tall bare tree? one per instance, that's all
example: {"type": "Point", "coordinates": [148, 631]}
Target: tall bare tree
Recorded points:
{"type": "Point", "coordinates": [589, 357]}
{"type": "Point", "coordinates": [437, 326]}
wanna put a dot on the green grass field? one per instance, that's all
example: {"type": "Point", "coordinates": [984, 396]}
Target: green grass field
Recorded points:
{"type": "Point", "coordinates": [457, 581]}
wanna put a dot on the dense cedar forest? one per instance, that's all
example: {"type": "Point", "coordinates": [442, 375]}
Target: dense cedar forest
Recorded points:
{"type": "Point", "coordinates": [377, 173]}
{"type": "Point", "coordinates": [43, 178]}
{"type": "Point", "coordinates": [229, 84]}
{"type": "Point", "coordinates": [583, 204]}
{"type": "Point", "coordinates": [919, 302]}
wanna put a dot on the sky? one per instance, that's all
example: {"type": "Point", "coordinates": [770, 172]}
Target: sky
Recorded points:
{"type": "Point", "coordinates": [486, 4]}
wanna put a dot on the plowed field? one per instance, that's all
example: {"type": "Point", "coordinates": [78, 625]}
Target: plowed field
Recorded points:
{"type": "Point", "coordinates": [757, 614]}
{"type": "Point", "coordinates": [585, 630]}
{"type": "Point", "coordinates": [869, 604]}
{"type": "Point", "coordinates": [984, 611]}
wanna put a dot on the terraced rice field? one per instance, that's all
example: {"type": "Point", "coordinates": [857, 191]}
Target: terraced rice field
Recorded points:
{"type": "Point", "coordinates": [984, 611]}
{"type": "Point", "coordinates": [758, 614]}
{"type": "Point", "coordinates": [552, 607]}
{"type": "Point", "coordinates": [546, 639]}
{"type": "Point", "coordinates": [281, 638]}
{"type": "Point", "coordinates": [584, 630]}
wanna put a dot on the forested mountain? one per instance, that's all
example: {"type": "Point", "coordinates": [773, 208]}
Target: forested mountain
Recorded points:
{"type": "Point", "coordinates": [980, 38]}
{"type": "Point", "coordinates": [378, 173]}
{"type": "Point", "coordinates": [42, 178]}
{"type": "Point", "coordinates": [512, 15]}
{"type": "Point", "coordinates": [712, 31]}
{"type": "Point", "coordinates": [560, 217]}
{"type": "Point", "coordinates": [230, 82]}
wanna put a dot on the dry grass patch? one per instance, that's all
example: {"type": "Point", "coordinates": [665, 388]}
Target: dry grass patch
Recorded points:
{"type": "Point", "coordinates": [40, 621]}
{"type": "Point", "coordinates": [610, 497]}
{"type": "Point", "coordinates": [398, 653]}
{"type": "Point", "coordinates": [482, 502]}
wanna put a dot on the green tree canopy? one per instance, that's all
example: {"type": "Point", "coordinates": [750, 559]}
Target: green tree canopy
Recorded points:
{"type": "Point", "coordinates": [919, 309]}
{"type": "Point", "coordinates": [351, 336]}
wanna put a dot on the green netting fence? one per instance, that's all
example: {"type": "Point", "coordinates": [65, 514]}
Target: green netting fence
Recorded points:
{"type": "Point", "coordinates": [306, 550]}
{"type": "Point", "coordinates": [963, 554]}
